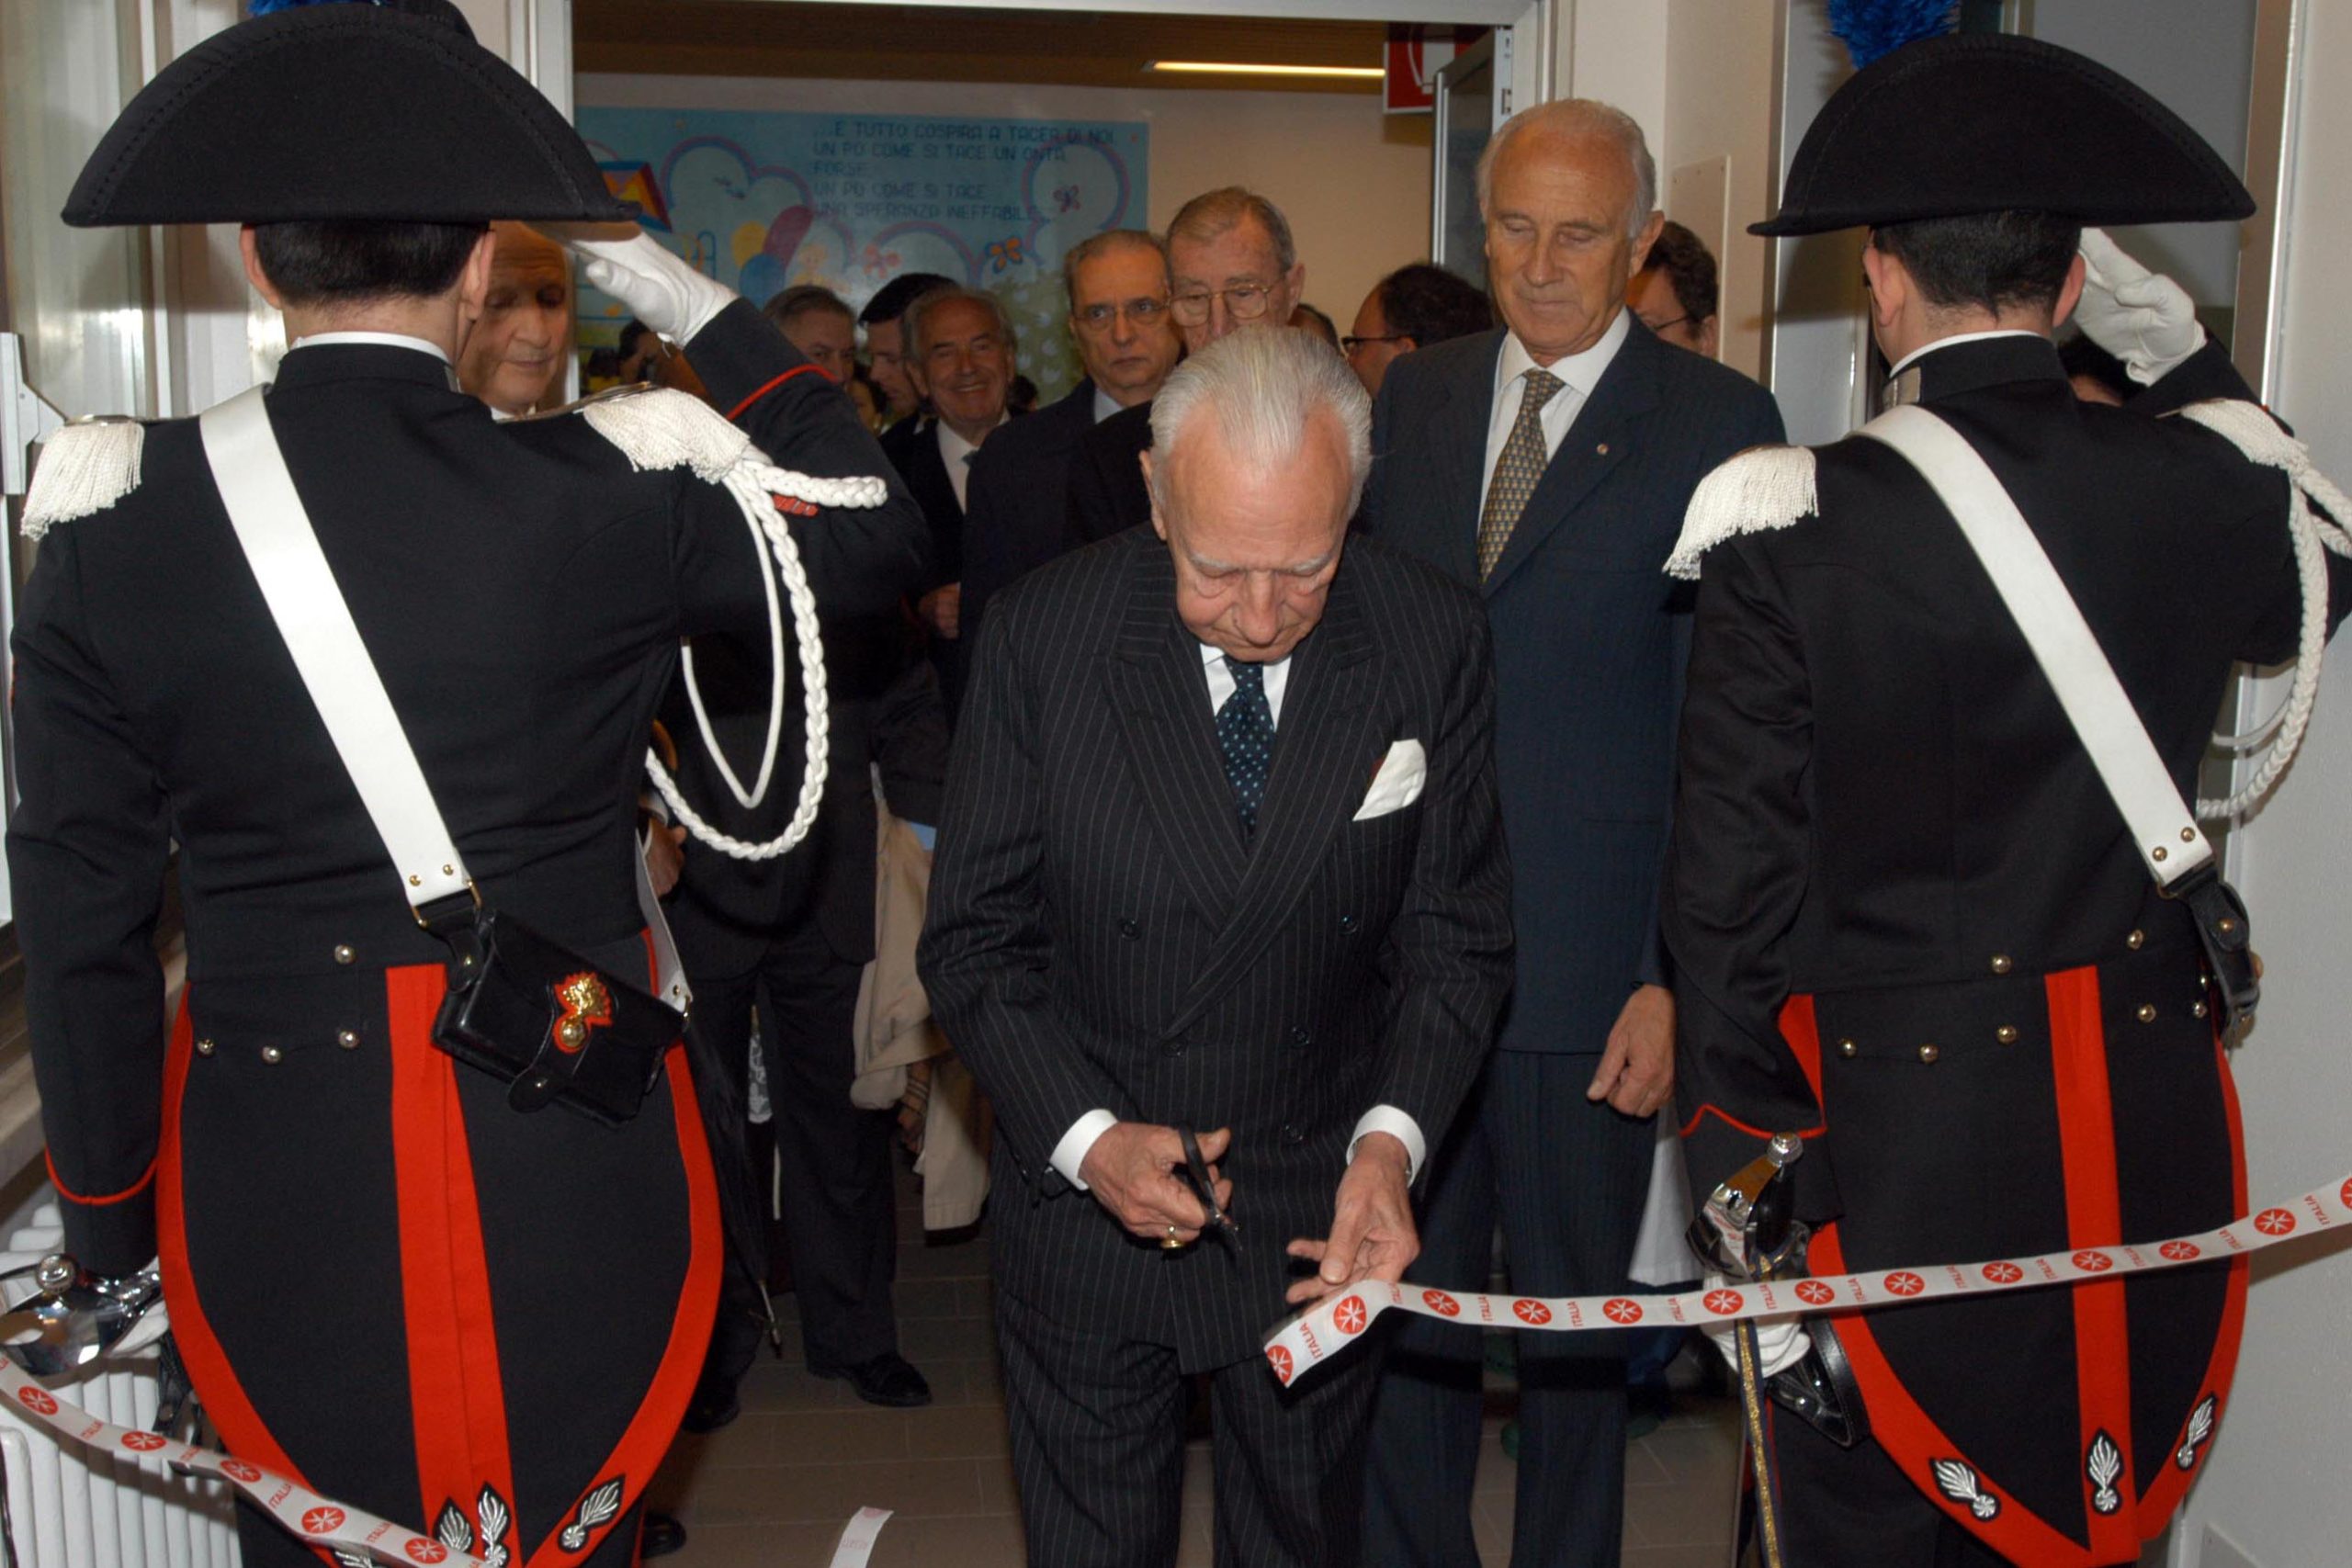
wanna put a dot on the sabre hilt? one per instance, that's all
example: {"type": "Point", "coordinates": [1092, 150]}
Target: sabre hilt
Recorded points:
{"type": "Point", "coordinates": [76, 1317]}
{"type": "Point", "coordinates": [1747, 1228]}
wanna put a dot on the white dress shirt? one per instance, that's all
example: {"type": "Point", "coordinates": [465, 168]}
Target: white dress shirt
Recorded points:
{"type": "Point", "coordinates": [1579, 374]}
{"type": "Point", "coordinates": [956, 454]}
{"type": "Point", "coordinates": [1106, 405]}
{"type": "Point", "coordinates": [382, 340]}
{"type": "Point", "coordinates": [1069, 1155]}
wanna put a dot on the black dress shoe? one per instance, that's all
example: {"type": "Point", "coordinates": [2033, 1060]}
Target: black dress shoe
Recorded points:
{"type": "Point", "coordinates": [661, 1536]}
{"type": "Point", "coordinates": [885, 1380]}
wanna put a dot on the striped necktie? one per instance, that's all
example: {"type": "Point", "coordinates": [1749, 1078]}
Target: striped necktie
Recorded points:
{"type": "Point", "coordinates": [1521, 465]}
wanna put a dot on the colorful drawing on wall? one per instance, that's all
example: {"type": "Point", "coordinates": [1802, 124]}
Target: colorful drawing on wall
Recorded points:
{"type": "Point", "coordinates": [762, 201]}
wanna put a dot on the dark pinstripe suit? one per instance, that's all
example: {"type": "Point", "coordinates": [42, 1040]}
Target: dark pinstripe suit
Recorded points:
{"type": "Point", "coordinates": [1590, 641]}
{"type": "Point", "coordinates": [1101, 936]}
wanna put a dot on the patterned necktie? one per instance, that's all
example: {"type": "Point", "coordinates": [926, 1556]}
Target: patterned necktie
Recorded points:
{"type": "Point", "coordinates": [1245, 733]}
{"type": "Point", "coordinates": [1516, 474]}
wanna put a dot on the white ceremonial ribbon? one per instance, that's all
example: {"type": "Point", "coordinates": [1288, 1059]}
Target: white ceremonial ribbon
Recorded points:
{"type": "Point", "coordinates": [1300, 1344]}
{"type": "Point", "coordinates": [318, 1521]}
{"type": "Point", "coordinates": [858, 1537]}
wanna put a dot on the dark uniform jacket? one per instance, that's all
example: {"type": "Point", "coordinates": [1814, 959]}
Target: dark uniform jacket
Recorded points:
{"type": "Point", "coordinates": [1101, 935]}
{"type": "Point", "coordinates": [1907, 923]}
{"type": "Point", "coordinates": [374, 1266]}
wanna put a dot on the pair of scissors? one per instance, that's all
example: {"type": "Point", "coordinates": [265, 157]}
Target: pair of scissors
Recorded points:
{"type": "Point", "coordinates": [1205, 1186]}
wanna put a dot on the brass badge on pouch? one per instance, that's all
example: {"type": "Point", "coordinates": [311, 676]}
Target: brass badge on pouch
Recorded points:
{"type": "Point", "coordinates": [584, 1005]}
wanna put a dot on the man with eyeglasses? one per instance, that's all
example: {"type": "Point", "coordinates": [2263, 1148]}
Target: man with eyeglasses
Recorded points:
{"type": "Point", "coordinates": [1017, 519]}
{"type": "Point", "coordinates": [1674, 294]}
{"type": "Point", "coordinates": [1411, 307]}
{"type": "Point", "coordinates": [1231, 265]}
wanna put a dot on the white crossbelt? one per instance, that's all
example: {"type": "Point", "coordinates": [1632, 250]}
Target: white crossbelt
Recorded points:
{"type": "Point", "coordinates": [1299, 1344]}
{"type": "Point", "coordinates": [2163, 828]}
{"type": "Point", "coordinates": [282, 548]}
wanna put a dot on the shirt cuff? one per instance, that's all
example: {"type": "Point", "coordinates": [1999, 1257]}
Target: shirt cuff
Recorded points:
{"type": "Point", "coordinates": [1070, 1154]}
{"type": "Point", "coordinates": [1397, 1125]}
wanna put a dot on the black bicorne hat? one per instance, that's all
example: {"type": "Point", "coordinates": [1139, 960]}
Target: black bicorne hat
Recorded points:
{"type": "Point", "coordinates": [1987, 122]}
{"type": "Point", "coordinates": [339, 113]}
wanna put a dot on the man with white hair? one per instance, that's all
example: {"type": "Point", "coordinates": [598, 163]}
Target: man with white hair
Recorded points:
{"type": "Point", "coordinates": [1547, 465]}
{"type": "Point", "coordinates": [1221, 864]}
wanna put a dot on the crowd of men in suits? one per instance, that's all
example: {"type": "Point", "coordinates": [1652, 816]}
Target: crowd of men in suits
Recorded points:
{"type": "Point", "coordinates": [1356, 820]}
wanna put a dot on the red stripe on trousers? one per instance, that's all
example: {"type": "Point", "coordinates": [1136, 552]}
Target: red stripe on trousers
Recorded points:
{"type": "Point", "coordinates": [457, 1395]}
{"type": "Point", "coordinates": [2094, 1218]}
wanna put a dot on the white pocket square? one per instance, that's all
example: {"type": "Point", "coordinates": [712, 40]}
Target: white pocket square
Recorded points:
{"type": "Point", "coordinates": [1397, 783]}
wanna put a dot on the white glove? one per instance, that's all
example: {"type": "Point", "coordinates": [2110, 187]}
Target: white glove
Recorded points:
{"type": "Point", "coordinates": [1779, 1343]}
{"type": "Point", "coordinates": [2143, 317]}
{"type": "Point", "coordinates": [659, 288]}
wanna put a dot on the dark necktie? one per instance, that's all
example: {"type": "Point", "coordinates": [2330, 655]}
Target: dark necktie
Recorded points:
{"type": "Point", "coordinates": [1245, 733]}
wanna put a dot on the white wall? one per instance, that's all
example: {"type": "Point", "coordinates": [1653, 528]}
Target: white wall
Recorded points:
{"type": "Point", "coordinates": [1354, 181]}
{"type": "Point", "coordinates": [2276, 1488]}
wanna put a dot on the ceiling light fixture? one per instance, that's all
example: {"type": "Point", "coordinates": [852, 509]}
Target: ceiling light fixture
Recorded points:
{"type": "Point", "coordinates": [1227, 68]}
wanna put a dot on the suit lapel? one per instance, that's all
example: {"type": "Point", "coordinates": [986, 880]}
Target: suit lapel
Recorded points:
{"type": "Point", "coordinates": [1161, 696]}
{"type": "Point", "coordinates": [1598, 439]}
{"type": "Point", "coordinates": [1458, 440]}
{"type": "Point", "coordinates": [1324, 753]}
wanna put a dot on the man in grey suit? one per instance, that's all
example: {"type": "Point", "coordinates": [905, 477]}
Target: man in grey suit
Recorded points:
{"type": "Point", "coordinates": [1221, 851]}
{"type": "Point", "coordinates": [1548, 465]}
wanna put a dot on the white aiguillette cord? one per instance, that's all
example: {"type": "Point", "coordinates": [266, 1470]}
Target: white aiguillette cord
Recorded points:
{"type": "Point", "coordinates": [2163, 828]}
{"type": "Point", "coordinates": [282, 548]}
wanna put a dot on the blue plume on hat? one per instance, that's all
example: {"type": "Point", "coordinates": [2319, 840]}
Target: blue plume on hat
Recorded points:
{"type": "Point", "coordinates": [1873, 28]}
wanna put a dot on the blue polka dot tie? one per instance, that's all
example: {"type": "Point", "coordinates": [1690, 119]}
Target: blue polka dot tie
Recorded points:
{"type": "Point", "coordinates": [1245, 733]}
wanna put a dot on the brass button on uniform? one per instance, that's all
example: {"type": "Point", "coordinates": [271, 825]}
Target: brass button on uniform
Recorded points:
{"type": "Point", "coordinates": [342, 954]}
{"type": "Point", "coordinates": [2197, 1012]}
{"type": "Point", "coordinates": [203, 1047]}
{"type": "Point", "coordinates": [2001, 965]}
{"type": "Point", "coordinates": [347, 1037]}
{"type": "Point", "coordinates": [1846, 1047]}
{"type": "Point", "coordinates": [2007, 1034]}
{"type": "Point", "coordinates": [1928, 1053]}
{"type": "Point", "coordinates": [2134, 940]}
{"type": "Point", "coordinates": [2146, 1013]}
{"type": "Point", "coordinates": [272, 1055]}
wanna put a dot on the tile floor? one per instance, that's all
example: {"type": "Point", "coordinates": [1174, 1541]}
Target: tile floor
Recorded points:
{"type": "Point", "coordinates": [774, 1489]}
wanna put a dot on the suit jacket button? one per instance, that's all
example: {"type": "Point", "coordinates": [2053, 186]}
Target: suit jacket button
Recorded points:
{"type": "Point", "coordinates": [1349, 925]}
{"type": "Point", "coordinates": [1299, 1036]}
{"type": "Point", "coordinates": [1174, 1048]}
{"type": "Point", "coordinates": [1129, 929]}
{"type": "Point", "coordinates": [1291, 1134]}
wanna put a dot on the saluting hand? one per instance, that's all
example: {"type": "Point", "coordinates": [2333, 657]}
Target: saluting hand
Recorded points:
{"type": "Point", "coordinates": [1373, 1236]}
{"type": "Point", "coordinates": [1132, 1169]}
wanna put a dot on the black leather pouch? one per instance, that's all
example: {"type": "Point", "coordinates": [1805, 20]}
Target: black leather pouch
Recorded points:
{"type": "Point", "coordinates": [553, 1025]}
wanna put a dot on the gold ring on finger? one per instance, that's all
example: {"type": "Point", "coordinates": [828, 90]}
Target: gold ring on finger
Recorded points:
{"type": "Point", "coordinates": [1171, 1242]}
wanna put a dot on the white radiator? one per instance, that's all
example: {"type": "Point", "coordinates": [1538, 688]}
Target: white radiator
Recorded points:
{"type": "Point", "coordinates": [68, 1508]}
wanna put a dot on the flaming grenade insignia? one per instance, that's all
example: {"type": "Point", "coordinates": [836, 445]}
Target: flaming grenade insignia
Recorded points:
{"type": "Point", "coordinates": [583, 1004]}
